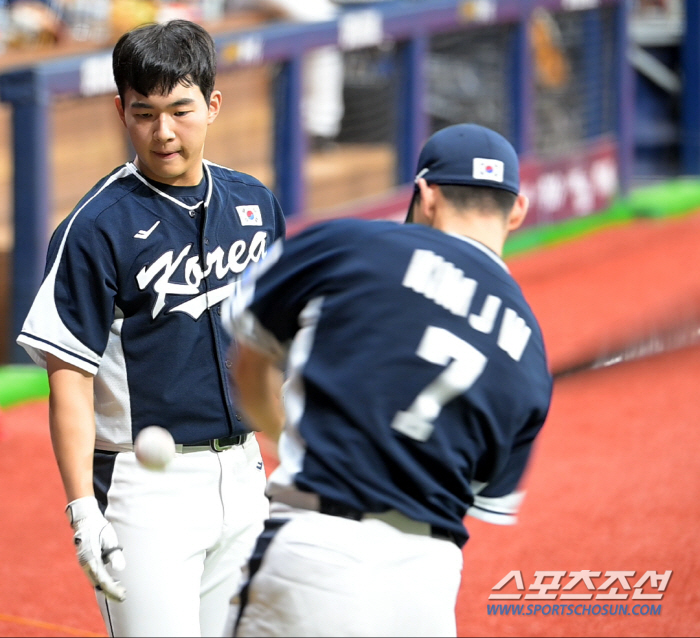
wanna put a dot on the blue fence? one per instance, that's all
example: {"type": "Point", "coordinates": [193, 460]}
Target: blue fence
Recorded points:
{"type": "Point", "coordinates": [413, 27]}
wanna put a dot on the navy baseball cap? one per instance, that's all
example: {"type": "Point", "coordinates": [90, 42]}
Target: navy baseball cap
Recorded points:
{"type": "Point", "coordinates": [468, 154]}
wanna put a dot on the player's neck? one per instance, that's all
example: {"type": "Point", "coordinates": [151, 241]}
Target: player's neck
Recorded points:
{"type": "Point", "coordinates": [486, 229]}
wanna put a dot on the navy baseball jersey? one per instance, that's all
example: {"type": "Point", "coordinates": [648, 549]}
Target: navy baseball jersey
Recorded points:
{"type": "Point", "coordinates": [129, 273]}
{"type": "Point", "coordinates": [417, 374]}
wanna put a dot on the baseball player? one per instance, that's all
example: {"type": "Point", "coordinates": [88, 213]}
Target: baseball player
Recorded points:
{"type": "Point", "coordinates": [416, 382]}
{"type": "Point", "coordinates": [127, 322]}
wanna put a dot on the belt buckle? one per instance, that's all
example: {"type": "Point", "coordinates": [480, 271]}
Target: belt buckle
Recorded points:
{"type": "Point", "coordinates": [216, 447]}
{"type": "Point", "coordinates": [232, 441]}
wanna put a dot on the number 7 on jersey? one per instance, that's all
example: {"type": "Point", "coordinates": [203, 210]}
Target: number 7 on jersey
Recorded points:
{"type": "Point", "coordinates": [464, 364]}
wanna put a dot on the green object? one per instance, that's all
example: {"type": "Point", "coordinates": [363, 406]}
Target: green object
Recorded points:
{"type": "Point", "coordinates": [667, 199]}
{"type": "Point", "coordinates": [20, 383]}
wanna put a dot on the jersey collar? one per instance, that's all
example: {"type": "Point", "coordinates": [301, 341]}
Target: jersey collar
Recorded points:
{"type": "Point", "coordinates": [483, 249]}
{"type": "Point", "coordinates": [131, 167]}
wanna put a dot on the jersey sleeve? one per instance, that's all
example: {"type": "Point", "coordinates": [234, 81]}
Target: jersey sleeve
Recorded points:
{"type": "Point", "coordinates": [73, 310]}
{"type": "Point", "coordinates": [498, 499]}
{"type": "Point", "coordinates": [287, 278]}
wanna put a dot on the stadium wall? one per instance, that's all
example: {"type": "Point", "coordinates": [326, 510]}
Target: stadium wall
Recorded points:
{"type": "Point", "coordinates": [551, 75]}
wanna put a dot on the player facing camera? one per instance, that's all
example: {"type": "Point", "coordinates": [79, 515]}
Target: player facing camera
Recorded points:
{"type": "Point", "coordinates": [145, 338]}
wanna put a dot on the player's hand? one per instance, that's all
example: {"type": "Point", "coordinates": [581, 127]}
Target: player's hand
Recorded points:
{"type": "Point", "coordinates": [96, 545]}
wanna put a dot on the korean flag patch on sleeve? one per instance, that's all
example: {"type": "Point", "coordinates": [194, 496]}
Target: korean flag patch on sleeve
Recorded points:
{"type": "Point", "coordinates": [249, 215]}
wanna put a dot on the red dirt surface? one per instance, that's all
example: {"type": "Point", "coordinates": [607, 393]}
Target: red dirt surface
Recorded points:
{"type": "Point", "coordinates": [613, 482]}
{"type": "Point", "coordinates": [596, 294]}
{"type": "Point", "coordinates": [613, 485]}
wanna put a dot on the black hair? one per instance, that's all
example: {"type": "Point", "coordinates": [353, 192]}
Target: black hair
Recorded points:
{"type": "Point", "coordinates": [482, 198]}
{"type": "Point", "coordinates": [155, 58]}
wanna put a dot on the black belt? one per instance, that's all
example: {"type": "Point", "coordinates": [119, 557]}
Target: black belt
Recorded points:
{"type": "Point", "coordinates": [219, 445]}
{"type": "Point", "coordinates": [335, 508]}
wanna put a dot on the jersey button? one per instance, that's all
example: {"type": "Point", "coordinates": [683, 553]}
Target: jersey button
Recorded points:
{"type": "Point", "coordinates": [192, 214]}
{"type": "Point", "coordinates": [206, 241]}
{"type": "Point", "coordinates": [228, 363]}
{"type": "Point", "coordinates": [238, 417]}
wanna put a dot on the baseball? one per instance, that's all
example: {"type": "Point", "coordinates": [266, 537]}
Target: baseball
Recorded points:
{"type": "Point", "coordinates": [154, 447]}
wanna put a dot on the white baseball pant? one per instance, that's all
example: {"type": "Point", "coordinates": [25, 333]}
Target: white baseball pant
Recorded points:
{"type": "Point", "coordinates": [325, 575]}
{"type": "Point", "coordinates": [187, 532]}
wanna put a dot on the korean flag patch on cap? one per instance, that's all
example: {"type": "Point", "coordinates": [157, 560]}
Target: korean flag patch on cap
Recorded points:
{"type": "Point", "coordinates": [249, 215]}
{"type": "Point", "coordinates": [489, 169]}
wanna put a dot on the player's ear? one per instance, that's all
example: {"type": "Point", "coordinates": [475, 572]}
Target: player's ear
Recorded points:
{"type": "Point", "coordinates": [518, 213]}
{"type": "Point", "coordinates": [214, 106]}
{"type": "Point", "coordinates": [120, 109]}
{"type": "Point", "coordinates": [425, 206]}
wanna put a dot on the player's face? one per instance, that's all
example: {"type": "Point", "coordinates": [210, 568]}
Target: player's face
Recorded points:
{"type": "Point", "coordinates": [168, 132]}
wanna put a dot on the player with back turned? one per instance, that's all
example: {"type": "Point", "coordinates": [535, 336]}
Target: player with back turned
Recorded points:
{"type": "Point", "coordinates": [416, 383]}
{"type": "Point", "coordinates": [127, 322]}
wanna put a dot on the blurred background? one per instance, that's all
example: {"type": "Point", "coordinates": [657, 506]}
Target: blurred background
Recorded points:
{"type": "Point", "coordinates": [329, 102]}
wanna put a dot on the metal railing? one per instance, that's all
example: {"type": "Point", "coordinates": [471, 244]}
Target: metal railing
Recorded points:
{"type": "Point", "coordinates": [408, 24]}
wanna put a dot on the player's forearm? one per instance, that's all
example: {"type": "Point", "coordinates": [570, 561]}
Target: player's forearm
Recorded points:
{"type": "Point", "coordinates": [72, 423]}
{"type": "Point", "coordinates": [259, 385]}
{"type": "Point", "coordinates": [264, 417]}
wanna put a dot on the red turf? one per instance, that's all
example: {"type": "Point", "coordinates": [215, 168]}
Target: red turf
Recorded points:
{"type": "Point", "coordinates": [613, 484]}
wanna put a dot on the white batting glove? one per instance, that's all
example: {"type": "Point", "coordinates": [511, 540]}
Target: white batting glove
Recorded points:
{"type": "Point", "coordinates": [96, 545]}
